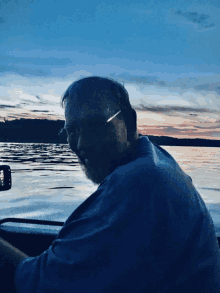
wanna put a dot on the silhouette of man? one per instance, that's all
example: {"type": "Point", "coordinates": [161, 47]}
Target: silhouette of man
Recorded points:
{"type": "Point", "coordinates": [100, 125]}
{"type": "Point", "coordinates": [145, 228]}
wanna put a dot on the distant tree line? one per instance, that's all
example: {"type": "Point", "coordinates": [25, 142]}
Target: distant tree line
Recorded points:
{"type": "Point", "coordinates": [172, 141]}
{"type": "Point", "coordinates": [32, 130]}
{"type": "Point", "coordinates": [46, 131]}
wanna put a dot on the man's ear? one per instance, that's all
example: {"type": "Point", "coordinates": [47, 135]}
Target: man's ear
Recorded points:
{"type": "Point", "coordinates": [134, 116]}
{"type": "Point", "coordinates": [132, 125]}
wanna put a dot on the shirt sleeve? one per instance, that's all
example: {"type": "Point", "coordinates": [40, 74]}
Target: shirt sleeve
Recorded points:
{"type": "Point", "coordinates": [95, 249]}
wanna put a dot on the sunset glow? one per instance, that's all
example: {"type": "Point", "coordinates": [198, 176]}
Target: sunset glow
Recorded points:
{"type": "Point", "coordinates": [166, 57]}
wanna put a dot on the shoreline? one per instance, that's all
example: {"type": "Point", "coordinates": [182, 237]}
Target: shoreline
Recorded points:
{"type": "Point", "coordinates": [159, 140]}
{"type": "Point", "coordinates": [48, 131]}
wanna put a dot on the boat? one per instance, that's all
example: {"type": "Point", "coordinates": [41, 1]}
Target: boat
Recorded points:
{"type": "Point", "coordinates": [31, 236]}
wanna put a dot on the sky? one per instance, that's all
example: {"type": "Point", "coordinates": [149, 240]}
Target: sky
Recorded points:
{"type": "Point", "coordinates": [166, 53]}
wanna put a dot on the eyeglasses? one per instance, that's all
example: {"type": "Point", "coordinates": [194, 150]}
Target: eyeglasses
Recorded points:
{"type": "Point", "coordinates": [110, 119]}
{"type": "Point", "coordinates": [113, 116]}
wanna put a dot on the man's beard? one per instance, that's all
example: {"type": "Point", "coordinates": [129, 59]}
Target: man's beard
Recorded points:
{"type": "Point", "coordinates": [102, 164]}
{"type": "Point", "coordinates": [98, 169]}
{"type": "Point", "coordinates": [93, 173]}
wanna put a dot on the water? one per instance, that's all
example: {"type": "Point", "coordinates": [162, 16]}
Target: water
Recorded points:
{"type": "Point", "coordinates": [47, 181]}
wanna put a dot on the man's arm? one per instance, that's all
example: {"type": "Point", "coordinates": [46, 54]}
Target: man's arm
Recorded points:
{"type": "Point", "coordinates": [10, 257]}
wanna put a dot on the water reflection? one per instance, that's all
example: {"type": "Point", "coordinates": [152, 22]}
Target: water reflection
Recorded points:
{"type": "Point", "coordinates": [48, 182]}
{"type": "Point", "coordinates": [40, 153]}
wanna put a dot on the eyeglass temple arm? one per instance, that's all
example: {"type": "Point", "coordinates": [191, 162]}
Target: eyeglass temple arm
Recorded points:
{"type": "Point", "coordinates": [113, 116]}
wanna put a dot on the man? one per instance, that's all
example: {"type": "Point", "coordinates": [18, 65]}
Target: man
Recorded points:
{"type": "Point", "coordinates": [145, 229]}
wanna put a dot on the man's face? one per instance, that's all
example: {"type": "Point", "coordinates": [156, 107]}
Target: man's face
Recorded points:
{"type": "Point", "coordinates": [98, 144]}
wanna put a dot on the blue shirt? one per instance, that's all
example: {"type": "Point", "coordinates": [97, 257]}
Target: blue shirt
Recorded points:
{"type": "Point", "coordinates": [145, 229]}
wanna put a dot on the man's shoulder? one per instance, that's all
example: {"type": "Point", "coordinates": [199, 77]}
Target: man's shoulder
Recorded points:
{"type": "Point", "coordinates": [152, 168]}
{"type": "Point", "coordinates": [151, 160]}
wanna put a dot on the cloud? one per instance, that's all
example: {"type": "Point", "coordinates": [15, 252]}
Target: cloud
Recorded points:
{"type": "Point", "coordinates": [175, 130]}
{"type": "Point", "coordinates": [210, 25]}
{"type": "Point", "coordinates": [186, 88]}
{"type": "Point", "coordinates": [7, 106]}
{"type": "Point", "coordinates": [2, 20]}
{"type": "Point", "coordinates": [31, 66]}
{"type": "Point", "coordinates": [194, 17]}
{"type": "Point", "coordinates": [22, 70]}
{"type": "Point", "coordinates": [203, 90]}
{"type": "Point", "coordinates": [180, 132]}
{"type": "Point", "coordinates": [209, 127]}
{"type": "Point", "coordinates": [10, 58]}
{"type": "Point", "coordinates": [167, 130]}
{"type": "Point", "coordinates": [168, 109]}
{"type": "Point", "coordinates": [214, 87]}
{"type": "Point", "coordinates": [40, 111]}
{"type": "Point", "coordinates": [138, 79]}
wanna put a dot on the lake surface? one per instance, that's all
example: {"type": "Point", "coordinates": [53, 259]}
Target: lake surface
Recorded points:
{"type": "Point", "coordinates": [48, 184]}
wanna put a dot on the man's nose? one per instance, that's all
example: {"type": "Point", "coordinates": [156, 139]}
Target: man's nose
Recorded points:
{"type": "Point", "coordinates": [79, 142]}
{"type": "Point", "coordinates": [82, 144]}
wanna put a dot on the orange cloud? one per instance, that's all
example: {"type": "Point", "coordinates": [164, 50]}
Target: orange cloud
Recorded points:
{"type": "Point", "coordinates": [179, 125]}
